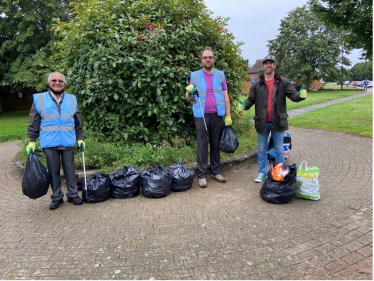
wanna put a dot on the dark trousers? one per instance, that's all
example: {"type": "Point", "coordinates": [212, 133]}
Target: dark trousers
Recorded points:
{"type": "Point", "coordinates": [214, 129]}
{"type": "Point", "coordinates": [53, 164]}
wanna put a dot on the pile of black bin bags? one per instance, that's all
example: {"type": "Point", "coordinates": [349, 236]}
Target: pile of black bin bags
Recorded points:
{"type": "Point", "coordinates": [155, 182]}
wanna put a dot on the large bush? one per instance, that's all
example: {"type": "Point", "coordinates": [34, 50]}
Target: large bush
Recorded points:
{"type": "Point", "coordinates": [128, 62]}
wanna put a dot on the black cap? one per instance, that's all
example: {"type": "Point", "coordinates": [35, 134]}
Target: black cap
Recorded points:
{"type": "Point", "coordinates": [268, 57]}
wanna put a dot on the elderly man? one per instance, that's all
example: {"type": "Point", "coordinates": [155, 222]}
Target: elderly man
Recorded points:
{"type": "Point", "coordinates": [55, 119]}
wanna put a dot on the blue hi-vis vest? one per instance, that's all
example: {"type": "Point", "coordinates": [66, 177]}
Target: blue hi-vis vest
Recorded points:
{"type": "Point", "coordinates": [197, 78]}
{"type": "Point", "coordinates": [56, 128]}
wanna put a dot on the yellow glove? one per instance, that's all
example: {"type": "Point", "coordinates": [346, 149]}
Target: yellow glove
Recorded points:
{"type": "Point", "coordinates": [228, 121]}
{"type": "Point", "coordinates": [303, 94]}
{"type": "Point", "coordinates": [30, 147]}
{"type": "Point", "coordinates": [81, 145]}
{"type": "Point", "coordinates": [190, 88]}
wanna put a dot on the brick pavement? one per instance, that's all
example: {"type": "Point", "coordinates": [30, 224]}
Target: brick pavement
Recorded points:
{"type": "Point", "coordinates": [225, 231]}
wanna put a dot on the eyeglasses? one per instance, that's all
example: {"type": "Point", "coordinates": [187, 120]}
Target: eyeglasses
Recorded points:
{"type": "Point", "coordinates": [59, 81]}
{"type": "Point", "coordinates": [209, 57]}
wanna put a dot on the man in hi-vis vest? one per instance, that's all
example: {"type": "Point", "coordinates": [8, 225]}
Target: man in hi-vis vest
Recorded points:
{"type": "Point", "coordinates": [211, 109]}
{"type": "Point", "coordinates": [55, 119]}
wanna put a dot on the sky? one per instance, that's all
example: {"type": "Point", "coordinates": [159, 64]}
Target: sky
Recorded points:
{"type": "Point", "coordinates": [255, 22]}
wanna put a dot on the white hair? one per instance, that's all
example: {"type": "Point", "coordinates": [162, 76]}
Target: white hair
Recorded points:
{"type": "Point", "coordinates": [63, 77]}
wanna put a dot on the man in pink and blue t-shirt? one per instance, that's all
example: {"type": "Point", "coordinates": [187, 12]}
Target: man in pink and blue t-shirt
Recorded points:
{"type": "Point", "coordinates": [211, 109]}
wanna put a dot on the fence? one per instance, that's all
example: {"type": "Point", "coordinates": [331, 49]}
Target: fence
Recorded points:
{"type": "Point", "coordinates": [15, 101]}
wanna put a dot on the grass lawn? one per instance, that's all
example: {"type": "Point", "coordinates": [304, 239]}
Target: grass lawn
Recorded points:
{"type": "Point", "coordinates": [353, 117]}
{"type": "Point", "coordinates": [14, 125]}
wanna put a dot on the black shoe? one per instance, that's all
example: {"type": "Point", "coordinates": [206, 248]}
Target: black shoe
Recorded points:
{"type": "Point", "coordinates": [55, 204]}
{"type": "Point", "coordinates": [76, 200]}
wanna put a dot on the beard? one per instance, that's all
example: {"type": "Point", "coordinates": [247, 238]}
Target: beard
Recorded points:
{"type": "Point", "coordinates": [208, 68]}
{"type": "Point", "coordinates": [56, 92]}
{"type": "Point", "coordinates": [269, 70]}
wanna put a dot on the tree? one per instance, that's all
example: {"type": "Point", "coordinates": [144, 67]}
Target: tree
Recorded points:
{"type": "Point", "coordinates": [25, 41]}
{"type": "Point", "coordinates": [354, 19]}
{"type": "Point", "coordinates": [246, 64]}
{"type": "Point", "coordinates": [306, 47]}
{"type": "Point", "coordinates": [128, 62]}
{"type": "Point", "coordinates": [362, 70]}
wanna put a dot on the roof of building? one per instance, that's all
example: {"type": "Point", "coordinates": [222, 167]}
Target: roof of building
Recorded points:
{"type": "Point", "coordinates": [254, 68]}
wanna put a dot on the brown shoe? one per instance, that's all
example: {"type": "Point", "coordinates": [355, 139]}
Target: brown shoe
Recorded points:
{"type": "Point", "coordinates": [203, 183]}
{"type": "Point", "coordinates": [219, 178]}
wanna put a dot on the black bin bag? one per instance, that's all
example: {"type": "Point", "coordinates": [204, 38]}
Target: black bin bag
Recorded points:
{"type": "Point", "coordinates": [35, 181]}
{"type": "Point", "coordinates": [156, 182]}
{"type": "Point", "coordinates": [97, 188]}
{"type": "Point", "coordinates": [229, 141]}
{"type": "Point", "coordinates": [124, 184]}
{"type": "Point", "coordinates": [279, 192]}
{"type": "Point", "coordinates": [182, 177]}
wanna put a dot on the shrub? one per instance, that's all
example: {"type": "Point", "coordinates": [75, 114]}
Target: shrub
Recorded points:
{"type": "Point", "coordinates": [128, 62]}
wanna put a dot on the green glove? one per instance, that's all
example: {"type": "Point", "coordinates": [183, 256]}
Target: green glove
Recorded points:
{"type": "Point", "coordinates": [30, 147]}
{"type": "Point", "coordinates": [303, 94]}
{"type": "Point", "coordinates": [228, 121]}
{"type": "Point", "coordinates": [81, 146]}
{"type": "Point", "coordinates": [241, 103]}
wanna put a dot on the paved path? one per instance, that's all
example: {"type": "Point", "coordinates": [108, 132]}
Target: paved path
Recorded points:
{"type": "Point", "coordinates": [225, 231]}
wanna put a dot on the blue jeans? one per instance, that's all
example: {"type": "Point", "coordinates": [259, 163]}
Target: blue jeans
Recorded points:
{"type": "Point", "coordinates": [262, 153]}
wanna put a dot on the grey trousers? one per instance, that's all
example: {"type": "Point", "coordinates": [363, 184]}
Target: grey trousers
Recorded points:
{"type": "Point", "coordinates": [53, 164]}
{"type": "Point", "coordinates": [215, 125]}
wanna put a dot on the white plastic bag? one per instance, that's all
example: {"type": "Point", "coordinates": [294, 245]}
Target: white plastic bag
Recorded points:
{"type": "Point", "coordinates": [307, 182]}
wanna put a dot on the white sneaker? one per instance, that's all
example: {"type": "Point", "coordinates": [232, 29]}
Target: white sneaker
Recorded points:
{"type": "Point", "coordinates": [260, 178]}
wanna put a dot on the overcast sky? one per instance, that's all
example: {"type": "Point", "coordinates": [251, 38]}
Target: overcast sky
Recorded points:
{"type": "Point", "coordinates": [255, 22]}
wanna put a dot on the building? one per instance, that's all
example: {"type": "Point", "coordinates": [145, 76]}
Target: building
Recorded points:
{"type": "Point", "coordinates": [253, 75]}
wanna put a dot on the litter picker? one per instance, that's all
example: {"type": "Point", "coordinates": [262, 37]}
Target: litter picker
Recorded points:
{"type": "Point", "coordinates": [81, 149]}
{"type": "Point", "coordinates": [202, 113]}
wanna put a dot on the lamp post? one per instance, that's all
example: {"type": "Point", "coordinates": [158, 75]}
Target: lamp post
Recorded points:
{"type": "Point", "coordinates": [341, 84]}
